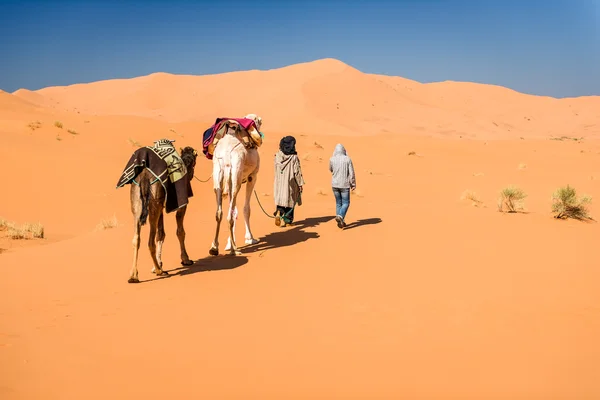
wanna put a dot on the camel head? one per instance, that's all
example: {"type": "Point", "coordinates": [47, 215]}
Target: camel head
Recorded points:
{"type": "Point", "coordinates": [188, 155]}
{"type": "Point", "coordinates": [257, 120]}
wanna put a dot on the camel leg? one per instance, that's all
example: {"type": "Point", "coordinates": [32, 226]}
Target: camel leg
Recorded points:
{"type": "Point", "coordinates": [249, 238]}
{"type": "Point", "coordinates": [133, 276]}
{"type": "Point", "coordinates": [214, 249]}
{"type": "Point", "coordinates": [160, 239]}
{"type": "Point", "coordinates": [235, 215]}
{"type": "Point", "coordinates": [153, 220]}
{"type": "Point", "coordinates": [218, 187]}
{"type": "Point", "coordinates": [136, 210]}
{"type": "Point", "coordinates": [180, 215]}
{"type": "Point", "coordinates": [235, 189]}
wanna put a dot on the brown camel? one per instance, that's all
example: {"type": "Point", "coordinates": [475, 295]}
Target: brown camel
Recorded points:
{"type": "Point", "coordinates": [147, 203]}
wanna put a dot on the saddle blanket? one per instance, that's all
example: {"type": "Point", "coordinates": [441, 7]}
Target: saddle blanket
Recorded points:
{"type": "Point", "coordinates": [219, 129]}
{"type": "Point", "coordinates": [163, 161]}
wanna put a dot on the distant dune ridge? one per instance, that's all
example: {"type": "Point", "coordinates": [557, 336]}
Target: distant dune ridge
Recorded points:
{"type": "Point", "coordinates": [331, 97]}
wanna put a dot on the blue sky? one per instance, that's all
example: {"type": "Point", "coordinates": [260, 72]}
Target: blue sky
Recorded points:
{"type": "Point", "coordinates": [547, 47]}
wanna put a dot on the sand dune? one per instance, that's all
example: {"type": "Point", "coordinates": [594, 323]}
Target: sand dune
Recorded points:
{"type": "Point", "coordinates": [337, 98]}
{"type": "Point", "coordinates": [425, 296]}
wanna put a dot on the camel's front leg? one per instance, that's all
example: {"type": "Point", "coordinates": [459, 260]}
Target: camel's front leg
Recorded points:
{"type": "Point", "coordinates": [160, 240]}
{"type": "Point", "coordinates": [249, 238]}
{"type": "Point", "coordinates": [180, 215]}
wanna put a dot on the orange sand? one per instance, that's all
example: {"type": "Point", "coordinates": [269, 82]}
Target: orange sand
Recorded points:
{"type": "Point", "coordinates": [428, 297]}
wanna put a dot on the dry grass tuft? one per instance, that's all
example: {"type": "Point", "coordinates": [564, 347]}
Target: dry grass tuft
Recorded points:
{"type": "Point", "coordinates": [134, 142]}
{"type": "Point", "coordinates": [58, 124]}
{"type": "Point", "coordinates": [108, 223]}
{"type": "Point", "coordinates": [26, 231]}
{"type": "Point", "coordinates": [472, 196]}
{"type": "Point", "coordinates": [72, 132]}
{"type": "Point", "coordinates": [35, 125]}
{"type": "Point", "coordinates": [522, 166]}
{"type": "Point", "coordinates": [566, 204]}
{"type": "Point", "coordinates": [511, 198]}
{"type": "Point", "coordinates": [318, 146]}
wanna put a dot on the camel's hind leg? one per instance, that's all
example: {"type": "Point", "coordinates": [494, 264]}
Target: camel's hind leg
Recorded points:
{"type": "Point", "coordinates": [160, 240]}
{"type": "Point", "coordinates": [235, 186]}
{"type": "Point", "coordinates": [153, 219]}
{"type": "Point", "coordinates": [136, 210]}
{"type": "Point", "coordinates": [180, 215]}
{"type": "Point", "coordinates": [133, 275]}
{"type": "Point", "coordinates": [218, 182]}
{"type": "Point", "coordinates": [249, 238]}
{"type": "Point", "coordinates": [235, 215]}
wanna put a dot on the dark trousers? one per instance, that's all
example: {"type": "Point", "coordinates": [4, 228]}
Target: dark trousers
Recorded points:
{"type": "Point", "coordinates": [287, 213]}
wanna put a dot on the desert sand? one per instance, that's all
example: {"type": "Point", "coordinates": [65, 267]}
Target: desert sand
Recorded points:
{"type": "Point", "coordinates": [425, 296]}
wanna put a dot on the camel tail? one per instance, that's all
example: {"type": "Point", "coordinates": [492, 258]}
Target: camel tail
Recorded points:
{"type": "Point", "coordinates": [145, 196]}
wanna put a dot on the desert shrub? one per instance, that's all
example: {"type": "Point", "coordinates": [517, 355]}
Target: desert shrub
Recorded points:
{"type": "Point", "coordinates": [472, 196]}
{"type": "Point", "coordinates": [511, 199]}
{"type": "Point", "coordinates": [108, 223]}
{"type": "Point", "coordinates": [566, 204]}
{"type": "Point", "coordinates": [25, 231]}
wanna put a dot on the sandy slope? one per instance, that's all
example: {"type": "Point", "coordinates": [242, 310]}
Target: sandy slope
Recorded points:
{"type": "Point", "coordinates": [426, 296]}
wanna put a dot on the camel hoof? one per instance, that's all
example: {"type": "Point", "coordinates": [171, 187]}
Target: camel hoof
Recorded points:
{"type": "Point", "coordinates": [252, 241]}
{"type": "Point", "coordinates": [133, 280]}
{"type": "Point", "coordinates": [162, 273]}
{"type": "Point", "coordinates": [187, 262]}
{"type": "Point", "coordinates": [235, 253]}
{"type": "Point", "coordinates": [213, 251]}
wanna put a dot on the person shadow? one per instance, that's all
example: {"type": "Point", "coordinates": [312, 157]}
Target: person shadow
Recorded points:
{"type": "Point", "coordinates": [363, 222]}
{"type": "Point", "coordinates": [288, 236]}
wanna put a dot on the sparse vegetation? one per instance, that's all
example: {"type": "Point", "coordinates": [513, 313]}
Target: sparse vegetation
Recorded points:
{"type": "Point", "coordinates": [34, 125]}
{"type": "Point", "coordinates": [566, 204]}
{"type": "Point", "coordinates": [58, 124]}
{"type": "Point", "coordinates": [108, 223]}
{"type": "Point", "coordinates": [522, 166]}
{"type": "Point", "coordinates": [472, 196]}
{"type": "Point", "coordinates": [134, 142]}
{"type": "Point", "coordinates": [318, 146]}
{"type": "Point", "coordinates": [511, 199]}
{"type": "Point", "coordinates": [562, 138]}
{"type": "Point", "coordinates": [25, 231]}
{"type": "Point", "coordinates": [58, 138]}
{"type": "Point", "coordinates": [72, 132]}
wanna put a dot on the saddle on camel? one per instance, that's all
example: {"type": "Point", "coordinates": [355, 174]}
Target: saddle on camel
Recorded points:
{"type": "Point", "coordinates": [246, 129]}
{"type": "Point", "coordinates": [167, 167]}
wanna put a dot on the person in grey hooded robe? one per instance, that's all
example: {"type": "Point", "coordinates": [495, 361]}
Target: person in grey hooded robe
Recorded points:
{"type": "Point", "coordinates": [288, 181]}
{"type": "Point", "coordinates": [343, 180]}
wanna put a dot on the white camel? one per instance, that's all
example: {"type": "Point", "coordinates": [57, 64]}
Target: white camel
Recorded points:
{"type": "Point", "coordinates": [233, 165]}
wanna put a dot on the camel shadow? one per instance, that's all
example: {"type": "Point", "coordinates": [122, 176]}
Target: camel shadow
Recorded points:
{"type": "Point", "coordinates": [362, 222]}
{"type": "Point", "coordinates": [210, 263]}
{"type": "Point", "coordinates": [287, 236]}
{"type": "Point", "coordinates": [203, 265]}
